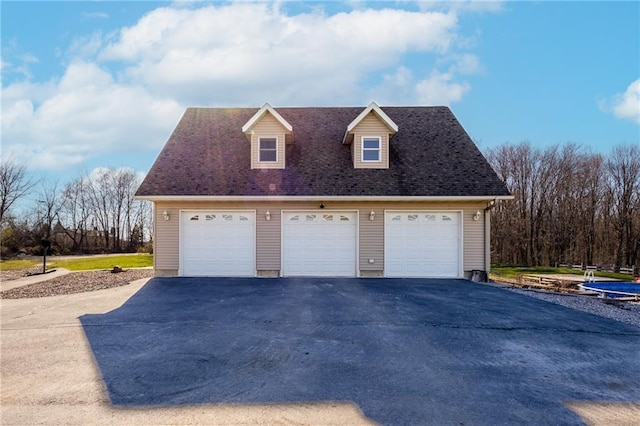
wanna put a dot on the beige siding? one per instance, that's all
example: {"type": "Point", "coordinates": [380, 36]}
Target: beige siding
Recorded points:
{"type": "Point", "coordinates": [268, 239]}
{"type": "Point", "coordinates": [370, 126]}
{"type": "Point", "coordinates": [474, 243]}
{"type": "Point", "coordinates": [165, 251]}
{"type": "Point", "coordinates": [268, 126]}
{"type": "Point", "coordinates": [371, 236]}
{"type": "Point", "coordinates": [268, 244]}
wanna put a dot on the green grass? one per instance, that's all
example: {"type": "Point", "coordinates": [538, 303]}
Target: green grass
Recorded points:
{"type": "Point", "coordinates": [103, 262]}
{"type": "Point", "coordinates": [13, 264]}
{"type": "Point", "coordinates": [509, 271]}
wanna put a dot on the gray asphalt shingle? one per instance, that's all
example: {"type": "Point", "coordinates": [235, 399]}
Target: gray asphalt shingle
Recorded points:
{"type": "Point", "coordinates": [431, 155]}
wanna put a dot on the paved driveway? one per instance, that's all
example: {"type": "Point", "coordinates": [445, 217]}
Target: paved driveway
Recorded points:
{"type": "Point", "coordinates": [405, 351]}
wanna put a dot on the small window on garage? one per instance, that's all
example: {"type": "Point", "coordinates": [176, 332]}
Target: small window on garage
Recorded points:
{"type": "Point", "coordinates": [210, 217]}
{"type": "Point", "coordinates": [295, 218]}
{"type": "Point", "coordinates": [327, 217]}
{"type": "Point", "coordinates": [446, 218]}
{"type": "Point", "coordinates": [344, 218]}
{"type": "Point", "coordinates": [227, 217]}
{"type": "Point", "coordinates": [195, 217]}
{"type": "Point", "coordinates": [430, 217]}
{"type": "Point", "coordinates": [412, 217]}
{"type": "Point", "coordinates": [311, 217]}
{"type": "Point", "coordinates": [396, 218]}
{"type": "Point", "coordinates": [243, 218]}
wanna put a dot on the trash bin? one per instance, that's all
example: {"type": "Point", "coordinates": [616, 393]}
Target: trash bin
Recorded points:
{"type": "Point", "coordinates": [479, 276]}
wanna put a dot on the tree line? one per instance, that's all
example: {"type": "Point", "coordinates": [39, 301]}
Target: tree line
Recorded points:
{"type": "Point", "coordinates": [94, 213]}
{"type": "Point", "coordinates": [571, 206]}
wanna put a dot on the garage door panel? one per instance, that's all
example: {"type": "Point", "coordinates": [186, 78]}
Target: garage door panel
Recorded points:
{"type": "Point", "coordinates": [319, 244]}
{"type": "Point", "coordinates": [217, 243]}
{"type": "Point", "coordinates": [422, 244]}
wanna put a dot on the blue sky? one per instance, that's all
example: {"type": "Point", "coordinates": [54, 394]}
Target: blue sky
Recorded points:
{"type": "Point", "coordinates": [103, 84]}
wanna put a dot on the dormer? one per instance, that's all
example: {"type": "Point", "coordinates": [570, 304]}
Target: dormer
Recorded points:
{"type": "Point", "coordinates": [268, 133]}
{"type": "Point", "coordinates": [369, 134]}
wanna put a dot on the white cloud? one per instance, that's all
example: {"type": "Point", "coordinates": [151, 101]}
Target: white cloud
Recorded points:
{"type": "Point", "coordinates": [441, 89]}
{"type": "Point", "coordinates": [83, 115]}
{"type": "Point", "coordinates": [626, 105]}
{"type": "Point", "coordinates": [466, 63]}
{"type": "Point", "coordinates": [246, 53]}
{"type": "Point", "coordinates": [403, 88]}
{"type": "Point", "coordinates": [85, 46]}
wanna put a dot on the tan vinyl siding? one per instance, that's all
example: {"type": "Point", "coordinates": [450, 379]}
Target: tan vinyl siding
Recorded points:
{"type": "Point", "coordinates": [268, 233]}
{"type": "Point", "coordinates": [371, 236]}
{"type": "Point", "coordinates": [267, 127]}
{"type": "Point", "coordinates": [165, 253]}
{"type": "Point", "coordinates": [268, 239]}
{"type": "Point", "coordinates": [371, 126]}
{"type": "Point", "coordinates": [474, 243]}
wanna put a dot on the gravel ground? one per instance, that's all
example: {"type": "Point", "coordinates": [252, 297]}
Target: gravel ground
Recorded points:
{"type": "Point", "coordinates": [14, 274]}
{"type": "Point", "coordinates": [627, 312]}
{"type": "Point", "coordinates": [74, 282]}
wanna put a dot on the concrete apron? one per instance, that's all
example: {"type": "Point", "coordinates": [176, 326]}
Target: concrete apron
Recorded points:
{"type": "Point", "coordinates": [49, 375]}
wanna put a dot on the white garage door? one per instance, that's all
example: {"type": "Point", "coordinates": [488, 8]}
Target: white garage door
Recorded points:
{"type": "Point", "coordinates": [217, 243]}
{"type": "Point", "coordinates": [319, 244]}
{"type": "Point", "coordinates": [422, 244]}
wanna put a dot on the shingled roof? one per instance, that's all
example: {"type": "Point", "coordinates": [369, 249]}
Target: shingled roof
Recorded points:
{"type": "Point", "coordinates": [430, 155]}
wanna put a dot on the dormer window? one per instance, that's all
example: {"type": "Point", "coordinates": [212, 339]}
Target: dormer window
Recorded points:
{"type": "Point", "coordinates": [268, 150]}
{"type": "Point", "coordinates": [369, 134]}
{"type": "Point", "coordinates": [268, 133]}
{"type": "Point", "coordinates": [371, 149]}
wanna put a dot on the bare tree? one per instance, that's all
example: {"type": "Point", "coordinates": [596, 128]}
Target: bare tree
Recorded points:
{"type": "Point", "coordinates": [75, 212]}
{"type": "Point", "coordinates": [100, 191]}
{"type": "Point", "coordinates": [624, 189]}
{"type": "Point", "coordinates": [47, 208]}
{"type": "Point", "coordinates": [570, 205]}
{"type": "Point", "coordinates": [14, 185]}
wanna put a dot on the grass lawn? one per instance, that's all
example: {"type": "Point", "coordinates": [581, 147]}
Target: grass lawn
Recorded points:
{"type": "Point", "coordinates": [508, 271]}
{"type": "Point", "coordinates": [83, 263]}
{"type": "Point", "coordinates": [13, 264]}
{"type": "Point", "coordinates": [102, 262]}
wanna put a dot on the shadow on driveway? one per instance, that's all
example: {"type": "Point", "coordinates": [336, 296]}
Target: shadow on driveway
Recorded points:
{"type": "Point", "coordinates": [406, 351]}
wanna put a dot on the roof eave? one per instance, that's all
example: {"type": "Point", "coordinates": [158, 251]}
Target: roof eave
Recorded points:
{"type": "Point", "coordinates": [321, 198]}
{"type": "Point", "coordinates": [256, 117]}
{"type": "Point", "coordinates": [379, 112]}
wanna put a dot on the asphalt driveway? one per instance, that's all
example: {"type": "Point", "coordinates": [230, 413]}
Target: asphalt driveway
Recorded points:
{"type": "Point", "coordinates": [405, 351]}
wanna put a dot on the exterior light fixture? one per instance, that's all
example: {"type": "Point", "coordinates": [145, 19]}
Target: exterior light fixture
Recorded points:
{"type": "Point", "coordinates": [165, 214]}
{"type": "Point", "coordinates": [267, 215]}
{"type": "Point", "coordinates": [476, 216]}
{"type": "Point", "coordinates": [372, 215]}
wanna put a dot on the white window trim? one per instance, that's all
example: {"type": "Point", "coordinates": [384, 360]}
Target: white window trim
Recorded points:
{"type": "Point", "coordinates": [259, 150]}
{"type": "Point", "coordinates": [362, 149]}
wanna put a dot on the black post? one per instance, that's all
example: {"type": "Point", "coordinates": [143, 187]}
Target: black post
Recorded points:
{"type": "Point", "coordinates": [45, 246]}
